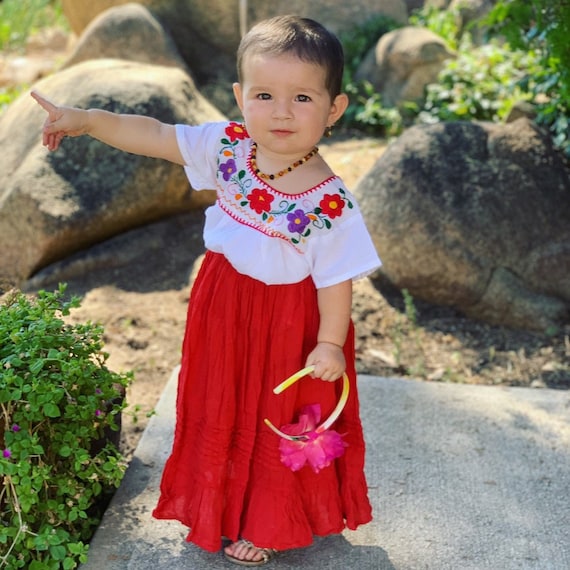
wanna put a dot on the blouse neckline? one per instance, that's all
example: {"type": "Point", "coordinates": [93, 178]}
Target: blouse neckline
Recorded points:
{"type": "Point", "coordinates": [279, 192]}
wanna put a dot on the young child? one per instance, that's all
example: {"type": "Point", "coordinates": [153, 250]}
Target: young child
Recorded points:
{"type": "Point", "coordinates": [284, 241]}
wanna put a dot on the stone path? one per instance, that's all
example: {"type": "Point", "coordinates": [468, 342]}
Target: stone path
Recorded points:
{"type": "Point", "coordinates": [461, 478]}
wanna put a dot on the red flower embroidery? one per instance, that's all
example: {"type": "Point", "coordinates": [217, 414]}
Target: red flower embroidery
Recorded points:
{"type": "Point", "coordinates": [332, 205]}
{"type": "Point", "coordinates": [260, 200]}
{"type": "Point", "coordinates": [236, 131]}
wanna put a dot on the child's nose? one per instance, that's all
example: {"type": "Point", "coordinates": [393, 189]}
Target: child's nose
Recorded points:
{"type": "Point", "coordinates": [282, 109]}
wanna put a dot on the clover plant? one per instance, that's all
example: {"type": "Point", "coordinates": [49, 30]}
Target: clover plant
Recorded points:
{"type": "Point", "coordinates": [59, 405]}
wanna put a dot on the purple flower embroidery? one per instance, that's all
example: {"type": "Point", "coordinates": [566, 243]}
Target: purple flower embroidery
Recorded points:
{"type": "Point", "coordinates": [228, 168]}
{"type": "Point", "coordinates": [298, 221]}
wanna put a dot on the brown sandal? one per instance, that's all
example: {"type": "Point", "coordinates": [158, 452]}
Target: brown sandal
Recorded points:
{"type": "Point", "coordinates": [266, 553]}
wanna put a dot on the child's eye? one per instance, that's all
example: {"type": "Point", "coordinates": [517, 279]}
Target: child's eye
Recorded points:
{"type": "Point", "coordinates": [303, 98]}
{"type": "Point", "coordinates": [264, 96]}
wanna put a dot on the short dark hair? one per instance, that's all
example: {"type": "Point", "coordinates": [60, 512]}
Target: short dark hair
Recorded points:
{"type": "Point", "coordinates": [308, 40]}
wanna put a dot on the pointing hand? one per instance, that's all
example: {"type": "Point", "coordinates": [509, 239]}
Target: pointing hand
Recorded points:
{"type": "Point", "coordinates": [60, 122]}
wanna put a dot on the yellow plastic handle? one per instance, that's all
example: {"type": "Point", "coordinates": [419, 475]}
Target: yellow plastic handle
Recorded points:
{"type": "Point", "coordinates": [329, 421]}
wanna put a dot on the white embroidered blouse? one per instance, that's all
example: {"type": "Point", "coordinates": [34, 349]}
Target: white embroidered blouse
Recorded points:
{"type": "Point", "coordinates": [274, 237]}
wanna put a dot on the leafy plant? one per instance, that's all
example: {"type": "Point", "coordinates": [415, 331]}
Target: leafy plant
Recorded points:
{"type": "Point", "coordinates": [59, 405]}
{"type": "Point", "coordinates": [440, 22]}
{"type": "Point", "coordinates": [357, 42]}
{"type": "Point", "coordinates": [366, 110]}
{"type": "Point", "coordinates": [542, 26]}
{"type": "Point", "coordinates": [482, 83]}
{"type": "Point", "coordinates": [21, 18]}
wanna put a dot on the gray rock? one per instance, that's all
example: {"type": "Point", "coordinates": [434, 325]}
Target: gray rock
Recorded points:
{"type": "Point", "coordinates": [403, 62]}
{"type": "Point", "coordinates": [475, 215]}
{"type": "Point", "coordinates": [207, 32]}
{"type": "Point", "coordinates": [52, 205]}
{"type": "Point", "coordinates": [128, 32]}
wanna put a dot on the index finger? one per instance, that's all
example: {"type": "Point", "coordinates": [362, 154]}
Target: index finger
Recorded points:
{"type": "Point", "coordinates": [45, 103]}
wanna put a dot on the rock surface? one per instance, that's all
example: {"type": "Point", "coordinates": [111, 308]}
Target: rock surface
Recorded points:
{"type": "Point", "coordinates": [475, 215]}
{"type": "Point", "coordinates": [52, 205]}
{"type": "Point", "coordinates": [403, 62]}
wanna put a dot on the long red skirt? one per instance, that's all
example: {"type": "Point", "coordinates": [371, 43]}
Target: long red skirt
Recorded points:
{"type": "Point", "coordinates": [224, 477]}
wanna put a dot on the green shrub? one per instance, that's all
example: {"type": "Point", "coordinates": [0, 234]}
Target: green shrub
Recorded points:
{"type": "Point", "coordinates": [366, 110]}
{"type": "Point", "coordinates": [482, 83]}
{"type": "Point", "coordinates": [21, 18]}
{"type": "Point", "coordinates": [440, 22]}
{"type": "Point", "coordinates": [59, 404]}
{"type": "Point", "coordinates": [18, 20]}
{"type": "Point", "coordinates": [544, 27]}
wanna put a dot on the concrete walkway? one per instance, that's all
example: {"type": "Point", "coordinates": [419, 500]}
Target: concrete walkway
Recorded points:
{"type": "Point", "coordinates": [461, 478]}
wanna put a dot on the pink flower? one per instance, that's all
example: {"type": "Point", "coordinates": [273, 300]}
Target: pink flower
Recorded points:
{"type": "Point", "coordinates": [316, 449]}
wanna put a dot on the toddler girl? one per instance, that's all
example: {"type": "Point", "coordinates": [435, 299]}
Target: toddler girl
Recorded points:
{"type": "Point", "coordinates": [284, 241]}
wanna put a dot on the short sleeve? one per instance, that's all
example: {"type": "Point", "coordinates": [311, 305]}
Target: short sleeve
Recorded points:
{"type": "Point", "coordinates": [346, 253]}
{"type": "Point", "coordinates": [199, 148]}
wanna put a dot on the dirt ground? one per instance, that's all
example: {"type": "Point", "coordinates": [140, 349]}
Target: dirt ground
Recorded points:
{"type": "Point", "coordinates": [142, 307]}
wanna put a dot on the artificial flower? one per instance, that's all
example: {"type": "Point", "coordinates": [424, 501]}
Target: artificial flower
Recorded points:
{"type": "Point", "coordinates": [318, 449]}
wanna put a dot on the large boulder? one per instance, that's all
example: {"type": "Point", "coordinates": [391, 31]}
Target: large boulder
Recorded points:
{"type": "Point", "coordinates": [127, 32]}
{"type": "Point", "coordinates": [403, 62]}
{"type": "Point", "coordinates": [475, 215]}
{"type": "Point", "coordinates": [207, 32]}
{"type": "Point", "coordinates": [54, 204]}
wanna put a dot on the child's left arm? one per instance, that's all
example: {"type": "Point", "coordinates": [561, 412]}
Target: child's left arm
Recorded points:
{"type": "Point", "coordinates": [335, 306]}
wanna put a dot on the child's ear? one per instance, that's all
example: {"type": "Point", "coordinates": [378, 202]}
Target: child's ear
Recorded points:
{"type": "Point", "coordinates": [338, 108]}
{"type": "Point", "coordinates": [238, 94]}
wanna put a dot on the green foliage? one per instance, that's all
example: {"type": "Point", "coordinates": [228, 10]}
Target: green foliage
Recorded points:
{"type": "Point", "coordinates": [440, 22]}
{"type": "Point", "coordinates": [542, 26]}
{"type": "Point", "coordinates": [21, 18]}
{"type": "Point", "coordinates": [58, 402]}
{"type": "Point", "coordinates": [483, 83]}
{"type": "Point", "coordinates": [366, 110]}
{"type": "Point", "coordinates": [357, 42]}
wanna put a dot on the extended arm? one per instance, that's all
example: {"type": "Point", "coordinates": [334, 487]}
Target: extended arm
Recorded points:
{"type": "Point", "coordinates": [335, 306]}
{"type": "Point", "coordinates": [132, 133]}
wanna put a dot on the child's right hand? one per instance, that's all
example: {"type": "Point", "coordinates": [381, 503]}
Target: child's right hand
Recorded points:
{"type": "Point", "coordinates": [60, 122]}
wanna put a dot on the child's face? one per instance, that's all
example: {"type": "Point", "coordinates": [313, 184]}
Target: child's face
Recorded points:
{"type": "Point", "coordinates": [285, 103]}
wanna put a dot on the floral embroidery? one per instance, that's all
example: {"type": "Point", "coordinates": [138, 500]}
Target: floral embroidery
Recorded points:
{"type": "Point", "coordinates": [260, 200]}
{"type": "Point", "coordinates": [228, 169]}
{"type": "Point", "coordinates": [298, 221]}
{"type": "Point", "coordinates": [289, 217]}
{"type": "Point", "coordinates": [236, 131]}
{"type": "Point", "coordinates": [332, 205]}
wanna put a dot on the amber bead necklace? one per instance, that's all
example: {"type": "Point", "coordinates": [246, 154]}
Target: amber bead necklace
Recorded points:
{"type": "Point", "coordinates": [264, 176]}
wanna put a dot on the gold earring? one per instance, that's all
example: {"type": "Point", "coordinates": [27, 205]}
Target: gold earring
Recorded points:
{"type": "Point", "coordinates": [329, 131]}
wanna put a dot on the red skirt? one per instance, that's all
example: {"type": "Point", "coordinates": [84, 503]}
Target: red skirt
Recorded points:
{"type": "Point", "coordinates": [224, 477]}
